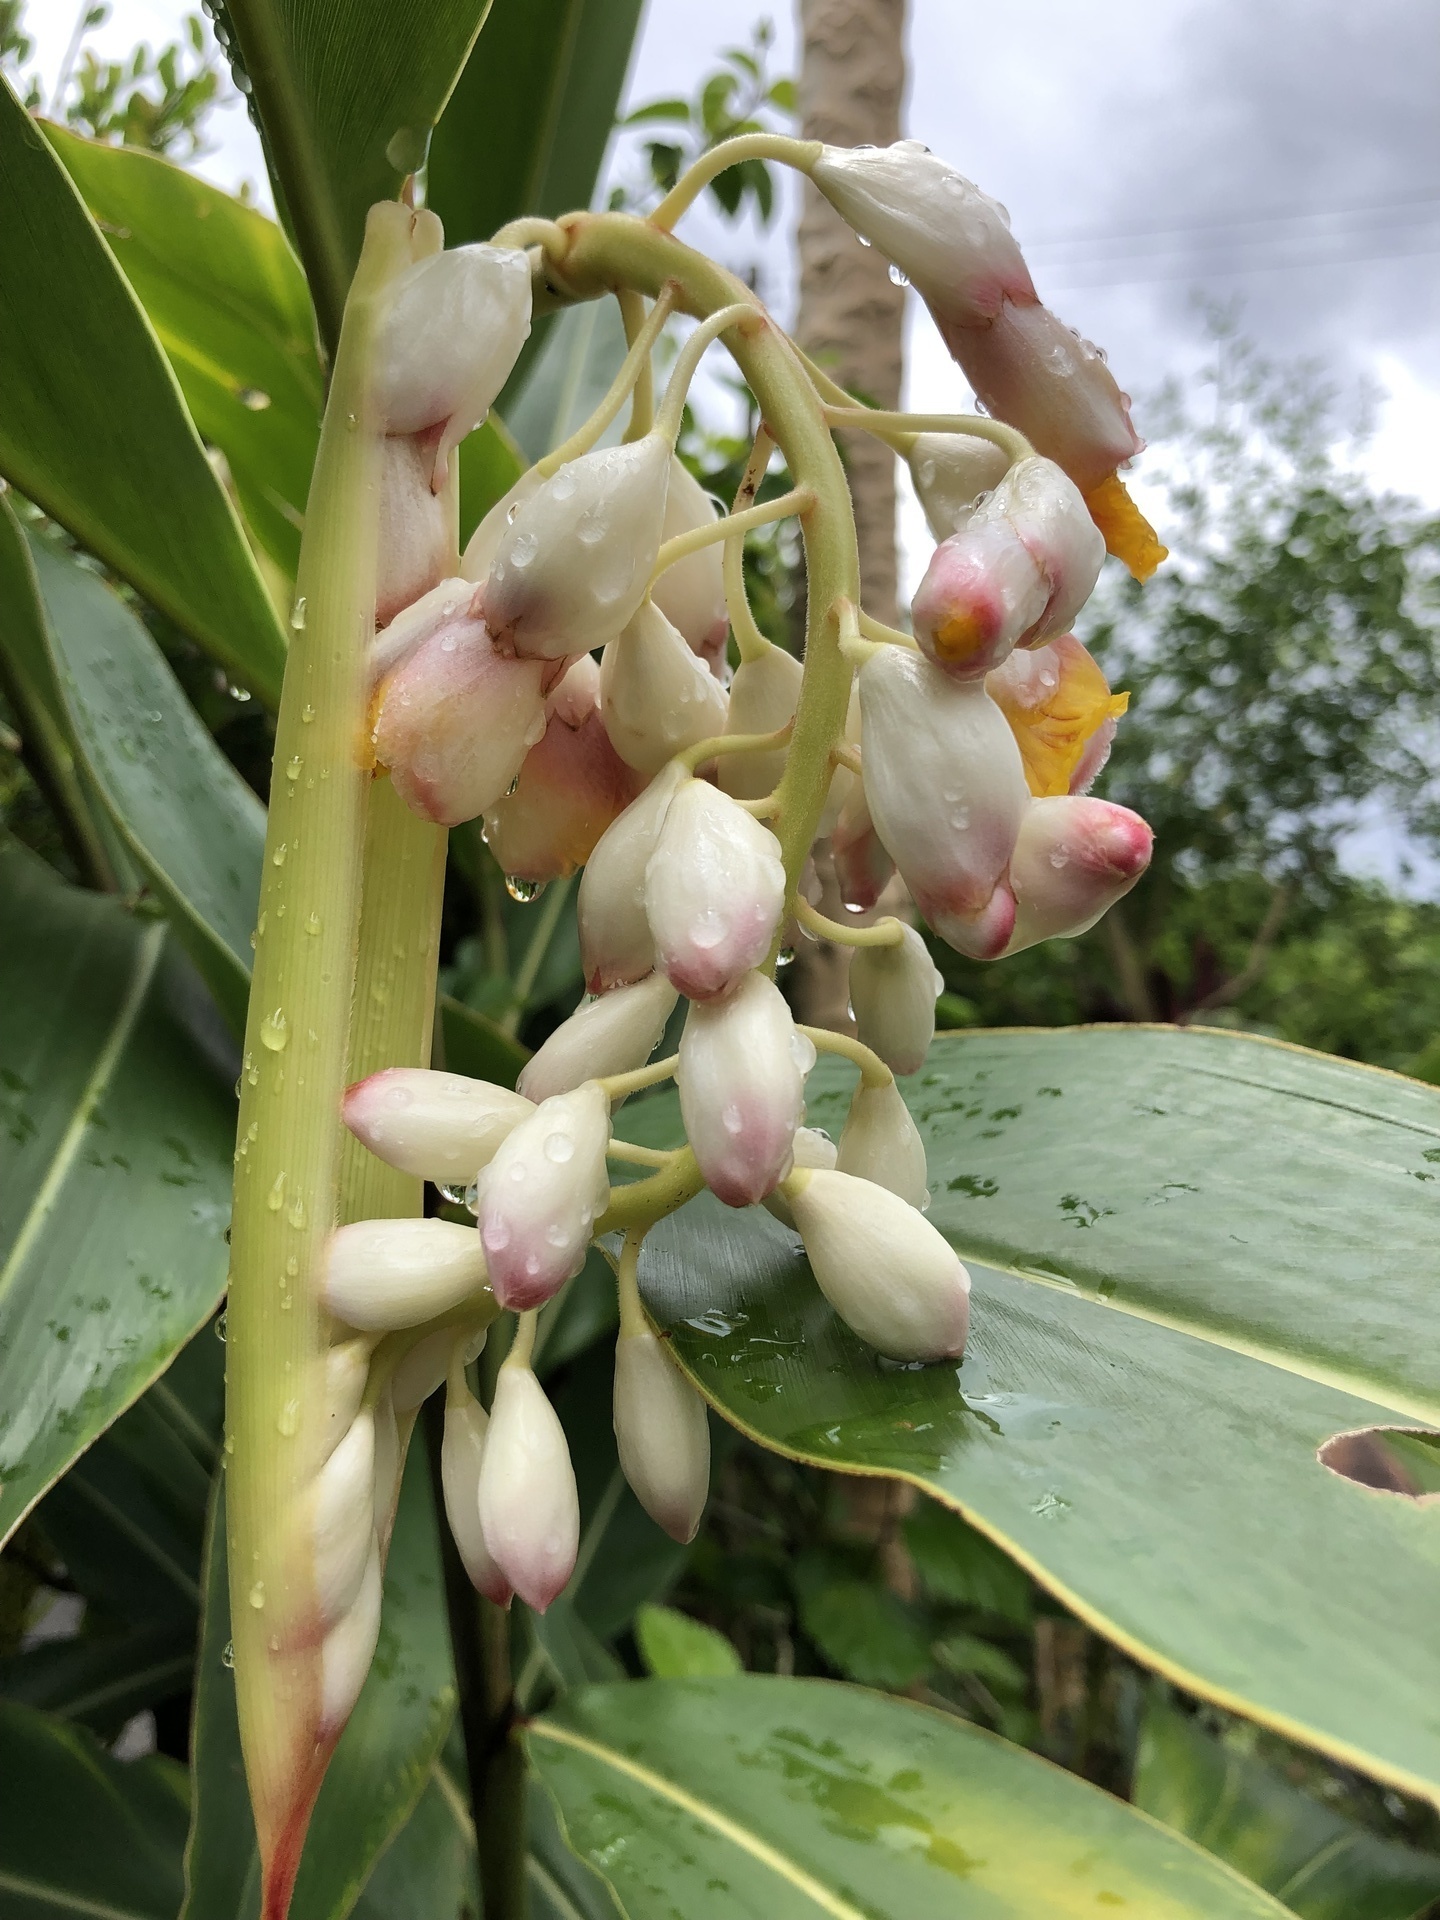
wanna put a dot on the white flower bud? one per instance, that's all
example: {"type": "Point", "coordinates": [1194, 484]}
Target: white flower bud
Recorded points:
{"type": "Point", "coordinates": [881, 1142]}
{"type": "Point", "coordinates": [862, 863]}
{"type": "Point", "coordinates": [349, 1647]}
{"type": "Point", "coordinates": [952, 241]}
{"type": "Point", "coordinates": [616, 945]}
{"type": "Point", "coordinates": [462, 1454]}
{"type": "Point", "coordinates": [714, 891]}
{"type": "Point", "coordinates": [342, 1519]}
{"type": "Point", "coordinates": [882, 1266]}
{"type": "Point", "coordinates": [381, 1275]}
{"type": "Point", "coordinates": [763, 697]}
{"type": "Point", "coordinates": [691, 594]}
{"type": "Point", "coordinates": [426, 1364]}
{"type": "Point", "coordinates": [950, 472]}
{"type": "Point", "coordinates": [528, 1503]}
{"type": "Point", "coordinates": [454, 721]}
{"type": "Point", "coordinates": [946, 790]}
{"type": "Point", "coordinates": [484, 542]}
{"type": "Point", "coordinates": [540, 1195]}
{"type": "Point", "coordinates": [656, 696]}
{"type": "Point", "coordinates": [389, 1465]}
{"type": "Point", "coordinates": [452, 329]}
{"type": "Point", "coordinates": [893, 991]}
{"type": "Point", "coordinates": [347, 1369]}
{"type": "Point", "coordinates": [742, 1089]}
{"type": "Point", "coordinates": [662, 1434]}
{"type": "Point", "coordinates": [1074, 859]}
{"type": "Point", "coordinates": [1046, 509]}
{"type": "Point", "coordinates": [438, 1126]}
{"type": "Point", "coordinates": [575, 562]}
{"type": "Point", "coordinates": [810, 1148]}
{"type": "Point", "coordinates": [414, 543]}
{"type": "Point", "coordinates": [613, 1034]}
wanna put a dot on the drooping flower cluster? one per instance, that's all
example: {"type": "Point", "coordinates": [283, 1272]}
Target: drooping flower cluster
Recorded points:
{"type": "Point", "coordinates": [567, 685]}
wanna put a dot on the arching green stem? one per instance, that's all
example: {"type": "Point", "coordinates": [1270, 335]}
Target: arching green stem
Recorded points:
{"type": "Point", "coordinates": [801, 154]}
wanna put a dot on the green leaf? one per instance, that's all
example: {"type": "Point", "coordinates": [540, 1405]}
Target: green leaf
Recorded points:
{"type": "Point", "coordinates": [101, 1680]}
{"type": "Point", "coordinates": [477, 1046]}
{"type": "Point", "coordinates": [759, 1795]}
{"type": "Point", "coordinates": [117, 1189]}
{"type": "Point", "coordinates": [528, 123]}
{"type": "Point", "coordinates": [84, 1834]}
{"type": "Point", "coordinates": [957, 1564]}
{"type": "Point", "coordinates": [345, 104]}
{"type": "Point", "coordinates": [94, 428]}
{"type": "Point", "coordinates": [675, 1647]}
{"type": "Point", "coordinates": [490, 464]}
{"type": "Point", "coordinates": [428, 1870]}
{"type": "Point", "coordinates": [864, 1632]}
{"type": "Point", "coordinates": [568, 378]}
{"type": "Point", "coordinates": [382, 1765]}
{"type": "Point", "coordinates": [1320, 1864]}
{"type": "Point", "coordinates": [229, 303]}
{"type": "Point", "coordinates": [192, 825]}
{"type": "Point", "coordinates": [1208, 1255]}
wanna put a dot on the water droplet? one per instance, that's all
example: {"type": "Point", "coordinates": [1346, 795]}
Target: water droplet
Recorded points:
{"type": "Point", "coordinates": [292, 1266]}
{"type": "Point", "coordinates": [275, 1199]}
{"type": "Point", "coordinates": [307, 714]}
{"type": "Point", "coordinates": [525, 891]}
{"type": "Point", "coordinates": [732, 1119]}
{"type": "Point", "coordinates": [852, 906]}
{"type": "Point", "coordinates": [275, 1031]}
{"type": "Point", "coordinates": [220, 1327]}
{"type": "Point", "coordinates": [257, 1595]}
{"type": "Point", "coordinates": [312, 923]}
{"type": "Point", "coordinates": [898, 278]}
{"type": "Point", "coordinates": [785, 956]}
{"type": "Point", "coordinates": [559, 1147]}
{"type": "Point", "coordinates": [255, 398]}
{"type": "Point", "coordinates": [288, 1419]}
{"type": "Point", "coordinates": [277, 859]}
{"type": "Point", "coordinates": [555, 1234]}
{"type": "Point", "coordinates": [524, 547]}
{"type": "Point", "coordinates": [295, 1212]}
{"type": "Point", "coordinates": [447, 1190]}
{"type": "Point", "coordinates": [227, 1658]}
{"type": "Point", "coordinates": [590, 532]}
{"type": "Point", "coordinates": [407, 148]}
{"type": "Point", "coordinates": [297, 615]}
{"type": "Point", "coordinates": [292, 771]}
{"type": "Point", "coordinates": [863, 241]}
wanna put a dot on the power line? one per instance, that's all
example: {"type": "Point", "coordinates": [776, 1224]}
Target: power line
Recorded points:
{"type": "Point", "coordinates": [1200, 271]}
{"type": "Point", "coordinates": [1408, 205]}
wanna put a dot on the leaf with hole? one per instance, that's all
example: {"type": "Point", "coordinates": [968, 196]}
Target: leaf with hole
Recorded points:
{"type": "Point", "coordinates": [118, 1137]}
{"type": "Point", "coordinates": [1196, 1257]}
{"type": "Point", "coordinates": [94, 428]}
{"type": "Point", "coordinates": [758, 1795]}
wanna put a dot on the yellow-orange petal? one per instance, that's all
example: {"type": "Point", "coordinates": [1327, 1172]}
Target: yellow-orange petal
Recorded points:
{"type": "Point", "coordinates": [1056, 699]}
{"type": "Point", "coordinates": [962, 638]}
{"type": "Point", "coordinates": [1128, 534]}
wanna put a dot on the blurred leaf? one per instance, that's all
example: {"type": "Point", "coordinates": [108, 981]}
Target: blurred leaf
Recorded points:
{"type": "Point", "coordinates": [528, 123]}
{"type": "Point", "coordinates": [476, 1046]}
{"type": "Point", "coordinates": [658, 110]}
{"type": "Point", "coordinates": [490, 464]}
{"type": "Point", "coordinates": [101, 1680]}
{"type": "Point", "coordinates": [1312, 1858]}
{"type": "Point", "coordinates": [960, 1565]}
{"type": "Point", "coordinates": [345, 105]}
{"type": "Point", "coordinates": [865, 1633]}
{"type": "Point", "coordinates": [968, 1653]}
{"type": "Point", "coordinates": [580, 356]}
{"type": "Point", "coordinates": [1209, 1255]}
{"type": "Point", "coordinates": [382, 1765]}
{"type": "Point", "coordinates": [191, 823]}
{"type": "Point", "coordinates": [84, 1834]}
{"type": "Point", "coordinates": [117, 1185]}
{"type": "Point", "coordinates": [675, 1647]}
{"type": "Point", "coordinates": [94, 428]}
{"type": "Point", "coordinates": [228, 300]}
{"type": "Point", "coordinates": [758, 1795]}
{"type": "Point", "coordinates": [428, 1870]}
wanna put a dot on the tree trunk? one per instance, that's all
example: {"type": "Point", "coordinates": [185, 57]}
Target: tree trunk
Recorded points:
{"type": "Point", "coordinates": [852, 77]}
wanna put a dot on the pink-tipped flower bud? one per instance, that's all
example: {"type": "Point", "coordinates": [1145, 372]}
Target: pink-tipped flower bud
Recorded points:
{"type": "Point", "coordinates": [882, 1266]}
{"type": "Point", "coordinates": [893, 991]}
{"type": "Point", "coordinates": [540, 1195]}
{"type": "Point", "coordinates": [809, 1148]}
{"type": "Point", "coordinates": [881, 1142]}
{"type": "Point", "coordinates": [575, 562]}
{"type": "Point", "coordinates": [657, 697]}
{"type": "Point", "coordinates": [528, 1504]}
{"type": "Point", "coordinates": [616, 945]}
{"type": "Point", "coordinates": [437, 1126]}
{"type": "Point", "coordinates": [950, 473]}
{"type": "Point", "coordinates": [742, 1089]}
{"type": "Point", "coordinates": [381, 1275]}
{"type": "Point", "coordinates": [414, 543]}
{"type": "Point", "coordinates": [349, 1647]}
{"type": "Point", "coordinates": [1074, 859]}
{"type": "Point", "coordinates": [950, 240]}
{"type": "Point", "coordinates": [453, 718]}
{"type": "Point", "coordinates": [484, 543]}
{"type": "Point", "coordinates": [1015, 573]}
{"type": "Point", "coordinates": [763, 697]}
{"type": "Point", "coordinates": [614, 1034]}
{"type": "Point", "coordinates": [1061, 711]}
{"type": "Point", "coordinates": [662, 1434]}
{"type": "Point", "coordinates": [462, 1455]}
{"type": "Point", "coordinates": [714, 891]}
{"type": "Point", "coordinates": [451, 331]}
{"type": "Point", "coordinates": [862, 864]}
{"type": "Point", "coordinates": [572, 786]}
{"type": "Point", "coordinates": [945, 788]}
{"type": "Point", "coordinates": [691, 594]}
{"type": "Point", "coordinates": [342, 1519]}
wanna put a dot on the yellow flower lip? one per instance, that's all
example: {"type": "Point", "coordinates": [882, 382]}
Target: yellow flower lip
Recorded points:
{"type": "Point", "coordinates": [1128, 534]}
{"type": "Point", "coordinates": [1054, 711]}
{"type": "Point", "coordinates": [962, 638]}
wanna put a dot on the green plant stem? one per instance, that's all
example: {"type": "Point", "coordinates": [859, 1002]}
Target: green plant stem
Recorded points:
{"type": "Point", "coordinates": [748, 638]}
{"type": "Point", "coordinates": [528, 971]}
{"type": "Point", "coordinates": [633, 368]}
{"type": "Point", "coordinates": [734, 526]}
{"type": "Point", "coordinates": [873, 1070]}
{"type": "Point", "coordinates": [642, 401]}
{"type": "Point", "coordinates": [890, 426]}
{"type": "Point", "coordinates": [801, 154]}
{"type": "Point", "coordinates": [881, 933]}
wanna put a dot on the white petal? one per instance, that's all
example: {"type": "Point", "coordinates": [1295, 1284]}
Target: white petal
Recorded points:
{"type": "Point", "coordinates": [662, 1433]}
{"type": "Point", "coordinates": [461, 1455]}
{"type": "Point", "coordinates": [656, 696]}
{"type": "Point", "coordinates": [691, 594]}
{"type": "Point", "coordinates": [951, 472]}
{"type": "Point", "coordinates": [349, 1647]}
{"type": "Point", "coordinates": [613, 1034]}
{"type": "Point", "coordinates": [541, 1194]}
{"type": "Point", "coordinates": [381, 1275]}
{"type": "Point", "coordinates": [882, 1143]}
{"type": "Point", "coordinates": [714, 891]}
{"type": "Point", "coordinates": [893, 991]}
{"type": "Point", "coordinates": [742, 1089]}
{"type": "Point", "coordinates": [342, 1518]}
{"type": "Point", "coordinates": [810, 1148]}
{"type": "Point", "coordinates": [615, 941]}
{"type": "Point", "coordinates": [440, 1126]}
{"type": "Point", "coordinates": [763, 697]}
{"type": "Point", "coordinates": [529, 1507]}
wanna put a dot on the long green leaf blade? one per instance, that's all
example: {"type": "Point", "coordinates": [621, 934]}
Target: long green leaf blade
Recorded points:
{"type": "Point", "coordinates": [94, 428]}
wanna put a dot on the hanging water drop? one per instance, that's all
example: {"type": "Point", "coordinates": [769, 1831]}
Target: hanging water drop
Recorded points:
{"type": "Point", "coordinates": [275, 1199]}
{"type": "Point", "coordinates": [785, 957]}
{"type": "Point", "coordinates": [312, 923]}
{"type": "Point", "coordinates": [220, 1326]}
{"type": "Point", "coordinates": [257, 1595]}
{"type": "Point", "coordinates": [450, 1193]}
{"type": "Point", "coordinates": [525, 891]}
{"type": "Point", "coordinates": [307, 713]}
{"type": "Point", "coordinates": [297, 615]}
{"type": "Point", "coordinates": [227, 1658]}
{"type": "Point", "coordinates": [897, 277]}
{"type": "Point", "coordinates": [292, 770]}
